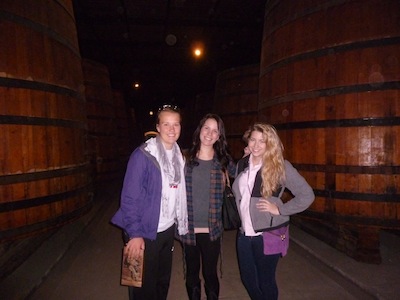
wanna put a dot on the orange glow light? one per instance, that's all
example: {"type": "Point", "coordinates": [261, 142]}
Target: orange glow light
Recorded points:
{"type": "Point", "coordinates": [197, 49]}
{"type": "Point", "coordinates": [197, 52]}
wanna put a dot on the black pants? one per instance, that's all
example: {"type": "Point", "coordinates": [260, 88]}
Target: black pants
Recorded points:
{"type": "Point", "coordinates": [156, 268]}
{"type": "Point", "coordinates": [207, 253]}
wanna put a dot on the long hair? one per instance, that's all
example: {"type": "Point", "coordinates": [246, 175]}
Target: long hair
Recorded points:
{"type": "Point", "coordinates": [220, 146]}
{"type": "Point", "coordinates": [273, 163]}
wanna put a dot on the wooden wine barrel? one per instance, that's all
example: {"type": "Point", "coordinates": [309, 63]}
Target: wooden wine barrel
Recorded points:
{"type": "Point", "coordinates": [126, 131]}
{"type": "Point", "coordinates": [44, 172]}
{"type": "Point", "coordinates": [102, 130]}
{"type": "Point", "coordinates": [236, 100]}
{"type": "Point", "coordinates": [195, 108]}
{"type": "Point", "coordinates": [330, 83]}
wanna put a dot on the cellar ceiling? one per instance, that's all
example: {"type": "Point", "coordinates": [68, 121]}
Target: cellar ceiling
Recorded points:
{"type": "Point", "coordinates": [151, 42]}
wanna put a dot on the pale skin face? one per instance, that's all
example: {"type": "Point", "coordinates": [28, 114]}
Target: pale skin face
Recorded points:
{"type": "Point", "coordinates": [169, 128]}
{"type": "Point", "coordinates": [209, 133]}
{"type": "Point", "coordinates": [257, 146]}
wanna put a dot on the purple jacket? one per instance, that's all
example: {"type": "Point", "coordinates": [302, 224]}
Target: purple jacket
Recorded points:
{"type": "Point", "coordinates": [139, 211]}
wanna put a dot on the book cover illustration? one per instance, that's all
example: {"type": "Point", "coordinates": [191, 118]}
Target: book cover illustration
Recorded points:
{"type": "Point", "coordinates": [132, 270]}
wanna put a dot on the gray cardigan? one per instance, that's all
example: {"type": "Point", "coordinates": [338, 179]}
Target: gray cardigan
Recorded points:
{"type": "Point", "coordinates": [295, 183]}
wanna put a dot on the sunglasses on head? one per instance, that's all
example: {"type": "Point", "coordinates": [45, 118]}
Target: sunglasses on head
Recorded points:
{"type": "Point", "coordinates": [169, 107]}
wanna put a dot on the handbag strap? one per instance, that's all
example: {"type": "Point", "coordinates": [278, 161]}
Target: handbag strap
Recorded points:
{"type": "Point", "coordinates": [227, 180]}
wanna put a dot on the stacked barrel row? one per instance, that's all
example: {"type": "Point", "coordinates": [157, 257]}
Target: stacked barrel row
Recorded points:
{"type": "Point", "coordinates": [194, 110]}
{"type": "Point", "coordinates": [126, 133]}
{"type": "Point", "coordinates": [102, 127]}
{"type": "Point", "coordinates": [330, 82]}
{"type": "Point", "coordinates": [236, 102]}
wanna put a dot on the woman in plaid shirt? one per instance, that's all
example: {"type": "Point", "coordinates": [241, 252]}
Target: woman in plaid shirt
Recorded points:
{"type": "Point", "coordinates": [206, 164]}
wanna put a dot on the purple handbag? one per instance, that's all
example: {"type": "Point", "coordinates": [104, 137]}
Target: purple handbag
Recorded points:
{"type": "Point", "coordinates": [276, 241]}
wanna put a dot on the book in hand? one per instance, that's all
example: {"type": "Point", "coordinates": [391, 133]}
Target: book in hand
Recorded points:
{"type": "Point", "coordinates": [132, 270]}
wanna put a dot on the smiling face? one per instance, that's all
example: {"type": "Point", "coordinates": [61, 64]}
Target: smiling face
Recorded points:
{"type": "Point", "coordinates": [169, 127]}
{"type": "Point", "coordinates": [209, 133]}
{"type": "Point", "coordinates": [257, 145]}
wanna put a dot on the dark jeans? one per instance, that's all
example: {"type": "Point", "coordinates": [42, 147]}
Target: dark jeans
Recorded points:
{"type": "Point", "coordinates": [207, 252]}
{"type": "Point", "coordinates": [156, 268]}
{"type": "Point", "coordinates": [257, 270]}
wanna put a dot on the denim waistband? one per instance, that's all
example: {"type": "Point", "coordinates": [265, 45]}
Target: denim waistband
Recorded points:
{"type": "Point", "coordinates": [250, 237]}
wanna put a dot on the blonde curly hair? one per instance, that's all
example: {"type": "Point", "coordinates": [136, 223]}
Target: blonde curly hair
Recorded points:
{"type": "Point", "coordinates": [273, 163]}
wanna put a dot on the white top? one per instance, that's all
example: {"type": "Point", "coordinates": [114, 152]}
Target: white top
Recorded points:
{"type": "Point", "coordinates": [166, 221]}
{"type": "Point", "coordinates": [246, 184]}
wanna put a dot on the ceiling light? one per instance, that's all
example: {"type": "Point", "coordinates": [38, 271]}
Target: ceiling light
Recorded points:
{"type": "Point", "coordinates": [170, 39]}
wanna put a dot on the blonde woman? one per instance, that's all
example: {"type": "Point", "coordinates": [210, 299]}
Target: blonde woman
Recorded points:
{"type": "Point", "coordinates": [261, 179]}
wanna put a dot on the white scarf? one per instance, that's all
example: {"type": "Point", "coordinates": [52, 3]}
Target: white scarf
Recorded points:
{"type": "Point", "coordinates": [171, 174]}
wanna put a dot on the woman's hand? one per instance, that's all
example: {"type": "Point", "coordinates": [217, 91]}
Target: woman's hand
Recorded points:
{"type": "Point", "coordinates": [267, 206]}
{"type": "Point", "coordinates": [134, 247]}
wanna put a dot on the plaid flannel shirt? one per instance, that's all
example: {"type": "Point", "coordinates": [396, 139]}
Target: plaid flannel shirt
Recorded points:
{"type": "Point", "coordinates": [215, 205]}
